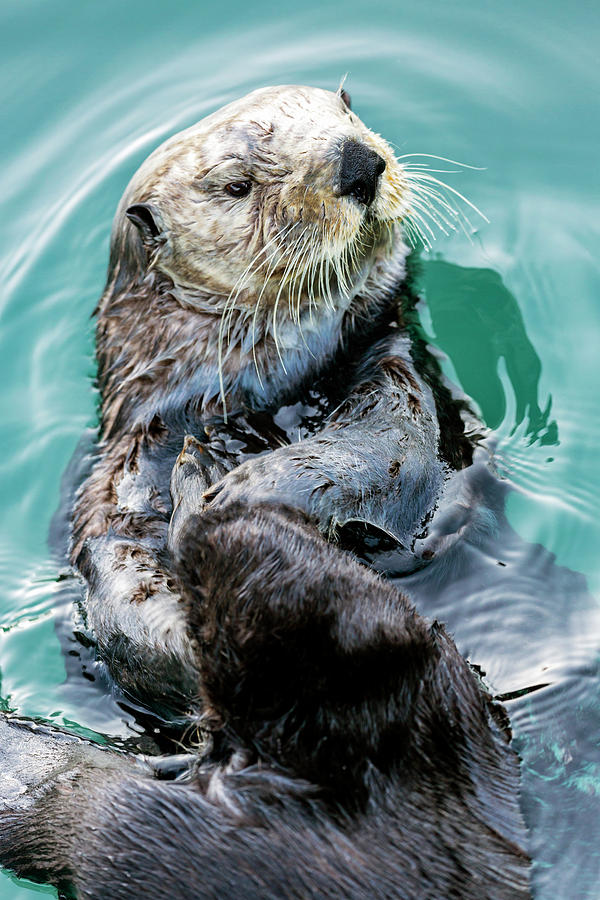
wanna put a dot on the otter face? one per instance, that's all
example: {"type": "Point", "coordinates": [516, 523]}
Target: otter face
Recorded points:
{"type": "Point", "coordinates": [283, 197]}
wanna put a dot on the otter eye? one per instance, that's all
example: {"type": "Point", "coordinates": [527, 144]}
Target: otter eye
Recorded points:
{"type": "Point", "coordinates": [238, 188]}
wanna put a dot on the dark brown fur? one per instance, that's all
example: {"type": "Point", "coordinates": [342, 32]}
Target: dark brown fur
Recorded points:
{"type": "Point", "coordinates": [354, 752]}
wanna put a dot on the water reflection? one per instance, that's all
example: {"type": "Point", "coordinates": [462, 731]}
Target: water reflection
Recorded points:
{"type": "Point", "coordinates": [477, 322]}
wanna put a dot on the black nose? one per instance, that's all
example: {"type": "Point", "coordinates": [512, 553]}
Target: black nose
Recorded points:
{"type": "Point", "coordinates": [359, 170]}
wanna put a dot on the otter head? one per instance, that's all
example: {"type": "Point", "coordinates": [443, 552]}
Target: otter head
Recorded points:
{"type": "Point", "coordinates": [284, 195]}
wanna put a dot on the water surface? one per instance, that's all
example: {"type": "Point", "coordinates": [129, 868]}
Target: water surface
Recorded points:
{"type": "Point", "coordinates": [90, 89]}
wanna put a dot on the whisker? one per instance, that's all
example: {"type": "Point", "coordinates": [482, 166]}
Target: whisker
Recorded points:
{"type": "Point", "coordinates": [309, 251]}
{"type": "Point", "coordinates": [299, 252]}
{"type": "Point", "coordinates": [423, 224]}
{"type": "Point", "coordinates": [284, 279]}
{"type": "Point", "coordinates": [419, 232]}
{"type": "Point", "coordinates": [434, 214]}
{"type": "Point", "coordinates": [425, 176]}
{"type": "Point", "coordinates": [410, 233]}
{"type": "Point", "coordinates": [453, 162]}
{"type": "Point", "coordinates": [423, 167]}
{"type": "Point", "coordinates": [273, 263]}
{"type": "Point", "coordinates": [229, 307]}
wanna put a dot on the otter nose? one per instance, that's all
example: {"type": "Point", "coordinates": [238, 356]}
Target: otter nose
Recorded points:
{"type": "Point", "coordinates": [359, 171]}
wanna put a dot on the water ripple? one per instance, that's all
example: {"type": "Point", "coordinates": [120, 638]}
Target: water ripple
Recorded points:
{"type": "Point", "coordinates": [91, 89]}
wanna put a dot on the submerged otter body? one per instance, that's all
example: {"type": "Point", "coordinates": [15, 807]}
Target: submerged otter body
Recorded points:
{"type": "Point", "coordinates": [353, 753]}
{"type": "Point", "coordinates": [253, 256]}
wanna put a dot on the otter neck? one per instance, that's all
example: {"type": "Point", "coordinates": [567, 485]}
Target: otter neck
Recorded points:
{"type": "Point", "coordinates": [158, 349]}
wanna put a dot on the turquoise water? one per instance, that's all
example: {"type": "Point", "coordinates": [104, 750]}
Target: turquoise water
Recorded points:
{"type": "Point", "coordinates": [89, 89]}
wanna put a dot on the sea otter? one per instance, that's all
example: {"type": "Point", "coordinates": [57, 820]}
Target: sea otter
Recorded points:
{"type": "Point", "coordinates": [255, 257]}
{"type": "Point", "coordinates": [349, 751]}
{"type": "Point", "coordinates": [353, 753]}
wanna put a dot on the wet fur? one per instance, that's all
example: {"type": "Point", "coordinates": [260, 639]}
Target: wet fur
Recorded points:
{"type": "Point", "coordinates": [342, 726]}
{"type": "Point", "coordinates": [173, 281]}
{"type": "Point", "coordinates": [192, 336]}
{"type": "Point", "coordinates": [376, 459]}
{"type": "Point", "coordinates": [354, 753]}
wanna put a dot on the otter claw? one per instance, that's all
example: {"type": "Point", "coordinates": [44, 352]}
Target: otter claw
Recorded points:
{"type": "Point", "coordinates": [191, 470]}
{"type": "Point", "coordinates": [191, 450]}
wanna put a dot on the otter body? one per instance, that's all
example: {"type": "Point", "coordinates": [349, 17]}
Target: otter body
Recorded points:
{"type": "Point", "coordinates": [257, 289]}
{"type": "Point", "coordinates": [353, 753]}
{"type": "Point", "coordinates": [252, 256]}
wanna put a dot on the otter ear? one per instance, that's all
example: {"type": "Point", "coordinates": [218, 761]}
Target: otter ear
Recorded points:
{"type": "Point", "coordinates": [131, 249]}
{"type": "Point", "coordinates": [144, 217]}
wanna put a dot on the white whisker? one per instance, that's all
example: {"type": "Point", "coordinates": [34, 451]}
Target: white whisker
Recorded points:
{"type": "Point", "coordinates": [425, 176]}
{"type": "Point", "coordinates": [453, 162]}
{"type": "Point", "coordinates": [284, 279]}
{"type": "Point", "coordinates": [228, 310]}
{"type": "Point", "coordinates": [272, 265]}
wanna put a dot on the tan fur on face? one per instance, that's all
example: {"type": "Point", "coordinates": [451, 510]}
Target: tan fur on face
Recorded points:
{"type": "Point", "coordinates": [287, 140]}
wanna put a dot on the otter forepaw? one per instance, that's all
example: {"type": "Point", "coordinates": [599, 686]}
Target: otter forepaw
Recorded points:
{"type": "Point", "coordinates": [191, 470]}
{"type": "Point", "coordinates": [195, 469]}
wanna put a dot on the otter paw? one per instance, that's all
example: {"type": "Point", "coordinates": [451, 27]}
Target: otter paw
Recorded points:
{"type": "Point", "coordinates": [191, 471]}
{"type": "Point", "coordinates": [195, 469]}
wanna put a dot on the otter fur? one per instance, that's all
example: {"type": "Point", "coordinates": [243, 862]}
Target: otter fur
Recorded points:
{"type": "Point", "coordinates": [353, 753]}
{"type": "Point", "coordinates": [254, 256]}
